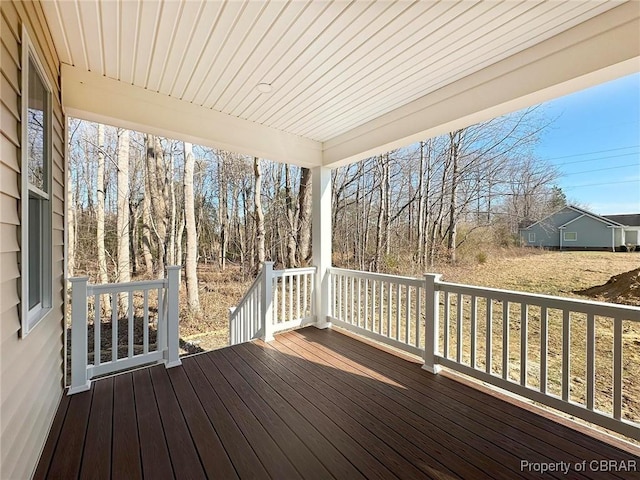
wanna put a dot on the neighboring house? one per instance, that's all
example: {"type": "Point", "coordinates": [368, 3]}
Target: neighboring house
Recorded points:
{"type": "Point", "coordinates": [573, 228]}
{"type": "Point", "coordinates": [190, 71]}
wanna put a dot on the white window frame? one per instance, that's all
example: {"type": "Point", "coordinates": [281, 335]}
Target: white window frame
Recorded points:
{"type": "Point", "coordinates": [30, 317]}
{"type": "Point", "coordinates": [532, 237]}
{"type": "Point", "coordinates": [565, 239]}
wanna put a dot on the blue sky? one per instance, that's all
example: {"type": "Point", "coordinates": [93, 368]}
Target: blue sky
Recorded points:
{"type": "Point", "coordinates": [595, 143]}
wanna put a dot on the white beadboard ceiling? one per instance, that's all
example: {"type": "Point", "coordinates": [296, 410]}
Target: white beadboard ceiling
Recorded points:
{"type": "Point", "coordinates": [333, 65]}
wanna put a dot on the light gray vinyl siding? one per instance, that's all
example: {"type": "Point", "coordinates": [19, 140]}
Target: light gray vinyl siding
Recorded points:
{"type": "Point", "coordinates": [591, 233]}
{"type": "Point", "coordinates": [546, 231]}
{"type": "Point", "coordinates": [31, 373]}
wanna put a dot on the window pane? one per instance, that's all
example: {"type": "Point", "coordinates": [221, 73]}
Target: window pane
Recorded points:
{"type": "Point", "coordinates": [36, 108]}
{"type": "Point", "coordinates": [35, 252]}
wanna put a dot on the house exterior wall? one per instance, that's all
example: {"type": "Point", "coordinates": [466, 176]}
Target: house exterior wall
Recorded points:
{"type": "Point", "coordinates": [546, 231]}
{"type": "Point", "coordinates": [631, 237]}
{"type": "Point", "coordinates": [591, 233]}
{"type": "Point", "coordinates": [31, 368]}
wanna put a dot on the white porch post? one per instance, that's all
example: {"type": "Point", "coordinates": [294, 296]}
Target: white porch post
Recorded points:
{"type": "Point", "coordinates": [266, 300]}
{"type": "Point", "coordinates": [173, 317]}
{"type": "Point", "coordinates": [432, 322]}
{"type": "Point", "coordinates": [79, 379]}
{"type": "Point", "coordinates": [560, 235]}
{"type": "Point", "coordinates": [321, 241]}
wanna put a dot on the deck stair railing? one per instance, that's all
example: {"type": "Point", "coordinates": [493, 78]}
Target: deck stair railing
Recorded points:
{"type": "Point", "coordinates": [277, 300]}
{"type": "Point", "coordinates": [113, 346]}
{"type": "Point", "coordinates": [565, 353]}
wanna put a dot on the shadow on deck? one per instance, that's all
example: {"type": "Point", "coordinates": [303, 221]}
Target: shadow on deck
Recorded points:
{"type": "Point", "coordinates": [312, 404]}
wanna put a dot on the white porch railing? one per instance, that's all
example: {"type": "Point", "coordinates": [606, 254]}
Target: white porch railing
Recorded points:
{"type": "Point", "coordinates": [139, 295]}
{"type": "Point", "coordinates": [277, 300]}
{"type": "Point", "coordinates": [537, 346]}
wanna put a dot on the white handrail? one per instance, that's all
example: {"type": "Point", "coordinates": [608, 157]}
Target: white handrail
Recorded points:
{"type": "Point", "coordinates": [277, 300]}
{"type": "Point", "coordinates": [244, 319]}
{"type": "Point", "coordinates": [166, 348]}
{"type": "Point", "coordinates": [472, 330]}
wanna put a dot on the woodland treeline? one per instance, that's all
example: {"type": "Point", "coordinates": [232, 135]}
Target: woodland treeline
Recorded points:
{"type": "Point", "coordinates": [139, 202]}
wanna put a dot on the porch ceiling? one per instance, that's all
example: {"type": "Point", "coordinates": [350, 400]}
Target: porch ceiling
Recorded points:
{"type": "Point", "coordinates": [349, 78]}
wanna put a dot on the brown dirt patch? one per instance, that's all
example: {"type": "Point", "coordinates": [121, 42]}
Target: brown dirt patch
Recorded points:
{"type": "Point", "coordinates": [623, 288]}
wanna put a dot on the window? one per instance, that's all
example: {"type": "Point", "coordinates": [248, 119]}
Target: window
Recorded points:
{"type": "Point", "coordinates": [36, 250]}
{"type": "Point", "coordinates": [570, 236]}
{"type": "Point", "coordinates": [532, 237]}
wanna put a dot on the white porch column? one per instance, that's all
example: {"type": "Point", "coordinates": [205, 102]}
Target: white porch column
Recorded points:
{"type": "Point", "coordinates": [321, 241]}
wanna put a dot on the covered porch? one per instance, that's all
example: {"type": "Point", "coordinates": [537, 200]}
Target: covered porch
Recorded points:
{"type": "Point", "coordinates": [313, 404]}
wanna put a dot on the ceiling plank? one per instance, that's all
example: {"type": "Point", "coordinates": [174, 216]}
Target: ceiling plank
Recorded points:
{"type": "Point", "coordinates": [109, 13]}
{"type": "Point", "coordinates": [205, 59]}
{"type": "Point", "coordinates": [147, 35]}
{"type": "Point", "coordinates": [167, 27]}
{"type": "Point", "coordinates": [128, 25]}
{"type": "Point", "coordinates": [54, 20]}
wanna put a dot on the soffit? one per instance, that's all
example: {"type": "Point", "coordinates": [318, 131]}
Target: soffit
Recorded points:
{"type": "Point", "coordinates": [334, 66]}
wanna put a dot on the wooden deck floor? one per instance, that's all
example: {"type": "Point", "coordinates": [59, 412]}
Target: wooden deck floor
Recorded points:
{"type": "Point", "coordinates": [312, 404]}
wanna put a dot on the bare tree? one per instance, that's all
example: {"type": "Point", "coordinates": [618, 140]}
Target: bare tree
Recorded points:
{"type": "Point", "coordinates": [191, 262]}
{"type": "Point", "coordinates": [304, 217]}
{"type": "Point", "coordinates": [291, 219]}
{"type": "Point", "coordinates": [122, 220]}
{"type": "Point", "coordinates": [103, 274]}
{"type": "Point", "coordinates": [259, 214]}
{"type": "Point", "coordinates": [158, 191]}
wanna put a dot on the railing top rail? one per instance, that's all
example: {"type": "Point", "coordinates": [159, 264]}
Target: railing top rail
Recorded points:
{"type": "Point", "coordinates": [379, 276]}
{"type": "Point", "coordinates": [626, 312]}
{"type": "Point", "coordinates": [294, 271]}
{"type": "Point", "coordinates": [128, 286]}
{"type": "Point", "coordinates": [247, 294]}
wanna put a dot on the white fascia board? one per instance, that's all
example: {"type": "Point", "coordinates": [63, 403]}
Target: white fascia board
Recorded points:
{"type": "Point", "coordinates": [601, 49]}
{"type": "Point", "coordinates": [551, 215]}
{"type": "Point", "coordinates": [91, 96]}
{"type": "Point", "coordinates": [594, 216]}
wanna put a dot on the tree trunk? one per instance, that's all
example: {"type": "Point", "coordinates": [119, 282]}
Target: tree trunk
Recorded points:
{"type": "Point", "coordinates": [420, 244]}
{"type": "Point", "coordinates": [122, 221]}
{"type": "Point", "coordinates": [159, 192]}
{"type": "Point", "coordinates": [223, 213]}
{"type": "Point", "coordinates": [191, 262]}
{"type": "Point", "coordinates": [146, 223]}
{"type": "Point", "coordinates": [387, 206]}
{"type": "Point", "coordinates": [291, 227]}
{"type": "Point", "coordinates": [72, 231]}
{"type": "Point", "coordinates": [103, 274]}
{"type": "Point", "coordinates": [454, 138]}
{"type": "Point", "coordinates": [304, 217]}
{"type": "Point", "coordinates": [259, 214]}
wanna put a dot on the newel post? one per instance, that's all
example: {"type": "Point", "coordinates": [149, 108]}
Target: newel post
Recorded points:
{"type": "Point", "coordinates": [266, 310]}
{"type": "Point", "coordinates": [232, 327]}
{"type": "Point", "coordinates": [432, 311]}
{"type": "Point", "coordinates": [79, 379]}
{"type": "Point", "coordinates": [173, 317]}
